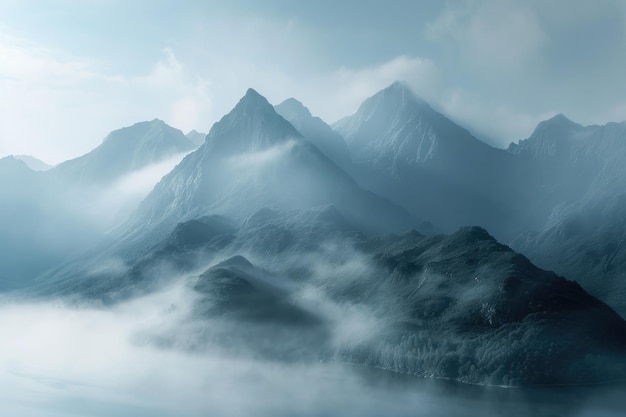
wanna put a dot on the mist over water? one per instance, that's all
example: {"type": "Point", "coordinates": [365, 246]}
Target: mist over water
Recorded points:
{"type": "Point", "coordinates": [60, 359]}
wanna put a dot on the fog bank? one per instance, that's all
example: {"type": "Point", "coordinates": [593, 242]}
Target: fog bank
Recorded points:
{"type": "Point", "coordinates": [58, 359]}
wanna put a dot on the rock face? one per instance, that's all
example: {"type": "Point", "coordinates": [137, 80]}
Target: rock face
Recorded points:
{"type": "Point", "coordinates": [415, 156]}
{"type": "Point", "coordinates": [253, 158]}
{"type": "Point", "coordinates": [125, 150]}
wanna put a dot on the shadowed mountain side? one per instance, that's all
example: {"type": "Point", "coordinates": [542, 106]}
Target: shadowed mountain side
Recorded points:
{"type": "Point", "coordinates": [274, 238]}
{"type": "Point", "coordinates": [583, 182]}
{"type": "Point", "coordinates": [316, 131]}
{"type": "Point", "coordinates": [259, 316]}
{"type": "Point", "coordinates": [53, 216]}
{"type": "Point", "coordinates": [471, 309]}
{"type": "Point", "coordinates": [38, 230]}
{"type": "Point", "coordinates": [586, 242]}
{"type": "Point", "coordinates": [413, 155]}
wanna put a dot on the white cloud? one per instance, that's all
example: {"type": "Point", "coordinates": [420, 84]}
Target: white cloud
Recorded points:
{"type": "Point", "coordinates": [108, 207]}
{"type": "Point", "coordinates": [492, 36]}
{"type": "Point", "coordinates": [349, 87]}
{"type": "Point", "coordinates": [57, 107]}
{"type": "Point", "coordinates": [64, 112]}
{"type": "Point", "coordinates": [58, 360]}
{"type": "Point", "coordinates": [24, 61]}
{"type": "Point", "coordinates": [496, 122]}
{"type": "Point", "coordinates": [259, 159]}
{"type": "Point", "coordinates": [337, 93]}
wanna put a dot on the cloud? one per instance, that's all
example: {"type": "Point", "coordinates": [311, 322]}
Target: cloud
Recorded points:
{"type": "Point", "coordinates": [495, 122]}
{"type": "Point", "coordinates": [492, 36]}
{"type": "Point", "coordinates": [110, 206]}
{"type": "Point", "coordinates": [349, 87]}
{"type": "Point", "coordinates": [258, 159]}
{"type": "Point", "coordinates": [57, 106]}
{"type": "Point", "coordinates": [57, 360]}
{"type": "Point", "coordinates": [24, 61]}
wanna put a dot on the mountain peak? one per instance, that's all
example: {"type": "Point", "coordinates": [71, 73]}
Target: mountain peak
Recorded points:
{"type": "Point", "coordinates": [399, 85]}
{"type": "Point", "coordinates": [295, 105]}
{"type": "Point", "coordinates": [557, 126]}
{"type": "Point", "coordinates": [315, 130]}
{"type": "Point", "coordinates": [124, 150]}
{"type": "Point", "coordinates": [251, 92]}
{"type": "Point", "coordinates": [560, 119]}
{"type": "Point", "coordinates": [551, 137]}
{"type": "Point", "coordinates": [251, 124]}
{"type": "Point", "coordinates": [33, 163]}
{"type": "Point", "coordinates": [251, 103]}
{"type": "Point", "coordinates": [399, 91]}
{"type": "Point", "coordinates": [253, 97]}
{"type": "Point", "coordinates": [196, 137]}
{"type": "Point", "coordinates": [292, 108]}
{"type": "Point", "coordinates": [10, 166]}
{"type": "Point", "coordinates": [395, 124]}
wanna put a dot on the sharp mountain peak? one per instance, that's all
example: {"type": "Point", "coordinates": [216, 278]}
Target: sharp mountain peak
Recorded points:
{"type": "Point", "coordinates": [399, 91]}
{"type": "Point", "coordinates": [251, 124]}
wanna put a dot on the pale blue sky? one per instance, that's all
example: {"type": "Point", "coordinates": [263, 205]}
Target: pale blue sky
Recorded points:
{"type": "Point", "coordinates": [71, 71]}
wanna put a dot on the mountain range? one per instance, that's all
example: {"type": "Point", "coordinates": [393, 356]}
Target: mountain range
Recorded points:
{"type": "Point", "coordinates": [126, 150]}
{"type": "Point", "coordinates": [50, 215]}
{"type": "Point", "coordinates": [385, 225]}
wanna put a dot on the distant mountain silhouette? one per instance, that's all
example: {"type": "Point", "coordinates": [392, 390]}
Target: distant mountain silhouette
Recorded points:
{"type": "Point", "coordinates": [408, 152]}
{"type": "Point", "coordinates": [123, 151]}
{"type": "Point", "coordinates": [316, 131]}
{"type": "Point", "coordinates": [33, 163]}
{"type": "Point", "coordinates": [254, 158]}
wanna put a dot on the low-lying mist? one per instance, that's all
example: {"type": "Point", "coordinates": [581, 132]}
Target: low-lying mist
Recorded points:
{"type": "Point", "coordinates": [108, 205]}
{"type": "Point", "coordinates": [61, 359]}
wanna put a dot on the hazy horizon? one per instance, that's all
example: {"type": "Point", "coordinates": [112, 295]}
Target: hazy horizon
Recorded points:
{"type": "Point", "coordinates": [69, 76]}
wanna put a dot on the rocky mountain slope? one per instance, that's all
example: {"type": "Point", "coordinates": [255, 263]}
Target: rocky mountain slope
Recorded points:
{"type": "Point", "coordinates": [412, 154]}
